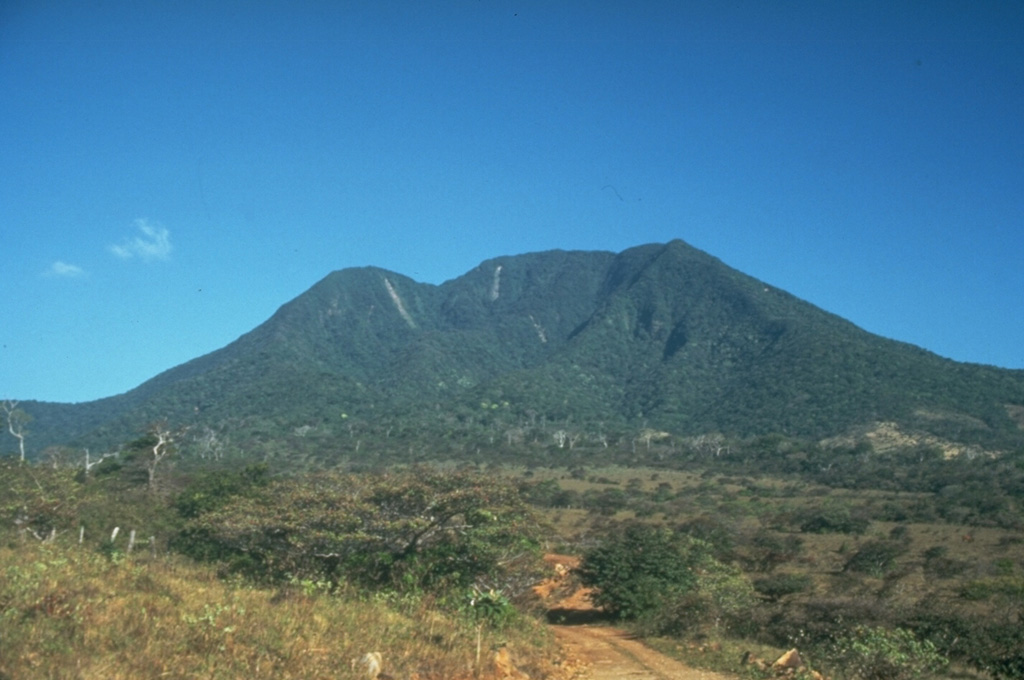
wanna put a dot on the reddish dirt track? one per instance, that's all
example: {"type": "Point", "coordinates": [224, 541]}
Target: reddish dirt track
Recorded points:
{"type": "Point", "coordinates": [602, 652]}
{"type": "Point", "coordinates": [610, 654]}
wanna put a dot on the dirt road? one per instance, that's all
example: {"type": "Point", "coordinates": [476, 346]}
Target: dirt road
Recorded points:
{"type": "Point", "coordinates": [611, 654]}
{"type": "Point", "coordinates": [604, 652]}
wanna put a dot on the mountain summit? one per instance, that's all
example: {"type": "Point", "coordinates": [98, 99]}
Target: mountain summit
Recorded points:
{"type": "Point", "coordinates": [659, 336]}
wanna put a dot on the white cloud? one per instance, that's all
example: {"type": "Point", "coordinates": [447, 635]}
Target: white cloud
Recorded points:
{"type": "Point", "coordinates": [153, 244]}
{"type": "Point", "coordinates": [65, 270]}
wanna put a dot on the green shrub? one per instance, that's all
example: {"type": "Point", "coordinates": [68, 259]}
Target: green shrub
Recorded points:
{"type": "Point", "coordinates": [213, 490]}
{"type": "Point", "coordinates": [421, 529]}
{"type": "Point", "coordinates": [767, 550]}
{"type": "Point", "coordinates": [869, 653]}
{"type": "Point", "coordinates": [668, 581]}
{"type": "Point", "coordinates": [833, 517]}
{"type": "Point", "coordinates": [640, 568]}
{"type": "Point", "coordinates": [995, 648]}
{"type": "Point", "coordinates": [876, 558]}
{"type": "Point", "coordinates": [777, 586]}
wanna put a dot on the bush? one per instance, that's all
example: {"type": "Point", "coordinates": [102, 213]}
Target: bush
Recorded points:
{"type": "Point", "coordinates": [882, 654]}
{"type": "Point", "coordinates": [213, 490]}
{"type": "Point", "coordinates": [995, 648]}
{"type": "Point", "coordinates": [726, 596]}
{"type": "Point", "coordinates": [938, 563]}
{"type": "Point", "coordinates": [875, 558]}
{"type": "Point", "coordinates": [36, 501]}
{"type": "Point", "coordinates": [778, 586]}
{"type": "Point", "coordinates": [712, 530]}
{"type": "Point", "coordinates": [639, 569]}
{"type": "Point", "coordinates": [668, 581]}
{"type": "Point", "coordinates": [767, 550]}
{"type": "Point", "coordinates": [833, 517]}
{"type": "Point", "coordinates": [422, 529]}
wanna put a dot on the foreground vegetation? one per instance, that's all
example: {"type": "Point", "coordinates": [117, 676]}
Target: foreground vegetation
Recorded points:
{"type": "Point", "coordinates": [72, 612]}
{"type": "Point", "coordinates": [875, 564]}
{"type": "Point", "coordinates": [718, 565]}
{"type": "Point", "coordinates": [430, 574]}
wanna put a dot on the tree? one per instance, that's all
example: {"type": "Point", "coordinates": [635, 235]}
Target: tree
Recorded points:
{"type": "Point", "coordinates": [639, 569]}
{"type": "Point", "coordinates": [209, 445]}
{"type": "Point", "coordinates": [875, 557]}
{"type": "Point", "coordinates": [161, 447]}
{"type": "Point", "coordinates": [667, 580]}
{"type": "Point", "coordinates": [832, 517]}
{"type": "Point", "coordinates": [91, 463]}
{"type": "Point", "coordinates": [214, 489]}
{"type": "Point", "coordinates": [777, 586]}
{"type": "Point", "coordinates": [767, 550]}
{"type": "Point", "coordinates": [423, 528]}
{"type": "Point", "coordinates": [16, 422]}
{"type": "Point", "coordinates": [150, 450]}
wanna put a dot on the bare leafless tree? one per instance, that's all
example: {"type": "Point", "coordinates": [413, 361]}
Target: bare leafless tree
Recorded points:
{"type": "Point", "coordinates": [209, 445]}
{"type": "Point", "coordinates": [16, 422]}
{"type": "Point", "coordinates": [90, 464]}
{"type": "Point", "coordinates": [161, 445]}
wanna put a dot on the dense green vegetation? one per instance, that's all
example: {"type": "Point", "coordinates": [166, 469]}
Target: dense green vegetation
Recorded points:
{"type": "Point", "coordinates": [423, 529]}
{"type": "Point", "coordinates": [598, 345]}
{"type": "Point", "coordinates": [670, 582]}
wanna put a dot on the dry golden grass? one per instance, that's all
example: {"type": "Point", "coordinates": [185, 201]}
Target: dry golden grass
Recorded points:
{"type": "Point", "coordinates": [67, 612]}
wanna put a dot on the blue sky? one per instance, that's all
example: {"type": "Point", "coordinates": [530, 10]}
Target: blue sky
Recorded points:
{"type": "Point", "coordinates": [172, 173]}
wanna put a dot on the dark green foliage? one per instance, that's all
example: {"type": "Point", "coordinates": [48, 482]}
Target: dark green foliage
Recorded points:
{"type": "Point", "coordinates": [667, 581]}
{"type": "Point", "coordinates": [936, 563]}
{"type": "Point", "coordinates": [1000, 650]}
{"type": "Point", "coordinates": [868, 653]}
{"type": "Point", "coordinates": [543, 495]}
{"type": "Point", "coordinates": [421, 529]}
{"type": "Point", "coordinates": [713, 530]}
{"type": "Point", "coordinates": [638, 570]}
{"type": "Point", "coordinates": [777, 586]}
{"type": "Point", "coordinates": [641, 568]}
{"type": "Point", "coordinates": [833, 517]}
{"type": "Point", "coordinates": [594, 344]}
{"type": "Point", "coordinates": [875, 558]}
{"type": "Point", "coordinates": [993, 647]}
{"type": "Point", "coordinates": [212, 490]}
{"type": "Point", "coordinates": [606, 501]}
{"type": "Point", "coordinates": [768, 550]}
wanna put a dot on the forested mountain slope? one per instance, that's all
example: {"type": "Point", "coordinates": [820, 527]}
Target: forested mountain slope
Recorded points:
{"type": "Point", "coordinates": [660, 336]}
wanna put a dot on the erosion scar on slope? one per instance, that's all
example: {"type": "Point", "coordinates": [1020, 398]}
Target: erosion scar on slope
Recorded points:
{"type": "Point", "coordinates": [398, 303]}
{"type": "Point", "coordinates": [496, 285]}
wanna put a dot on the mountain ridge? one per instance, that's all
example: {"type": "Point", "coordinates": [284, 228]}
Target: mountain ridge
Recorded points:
{"type": "Point", "coordinates": [660, 334]}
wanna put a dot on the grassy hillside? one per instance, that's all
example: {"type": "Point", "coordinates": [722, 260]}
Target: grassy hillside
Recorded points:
{"type": "Point", "coordinates": [71, 612]}
{"type": "Point", "coordinates": [93, 582]}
